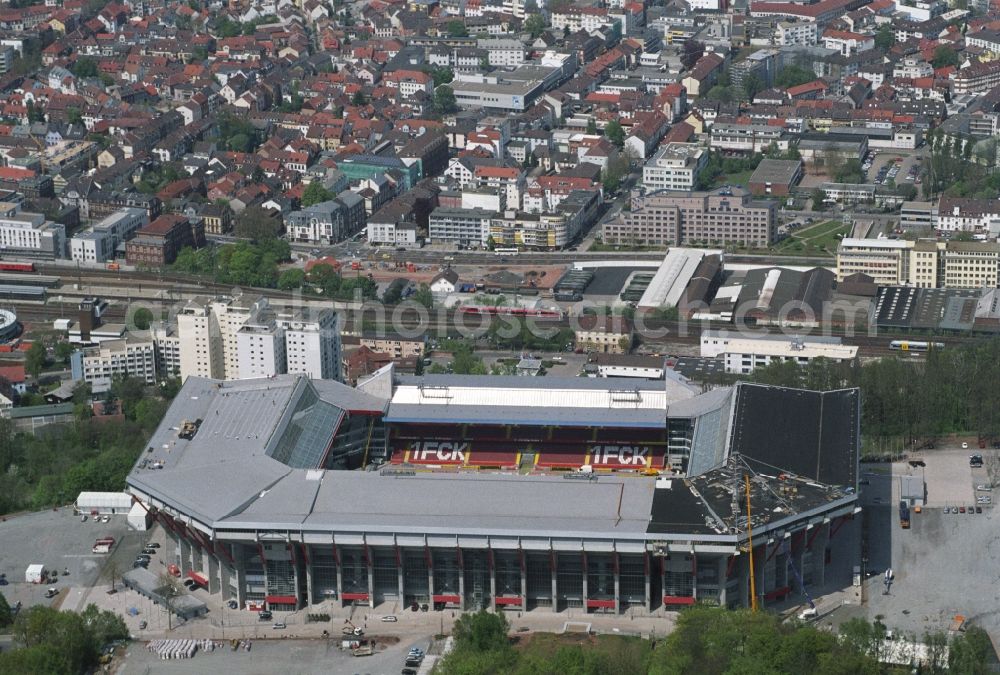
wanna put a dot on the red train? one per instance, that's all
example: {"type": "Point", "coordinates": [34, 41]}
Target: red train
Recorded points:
{"type": "Point", "coordinates": [16, 267]}
{"type": "Point", "coordinates": [512, 311]}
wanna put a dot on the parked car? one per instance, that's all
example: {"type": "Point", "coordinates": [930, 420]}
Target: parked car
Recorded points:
{"type": "Point", "coordinates": [51, 593]}
{"type": "Point", "coordinates": [279, 625]}
{"type": "Point", "coordinates": [389, 618]}
{"type": "Point", "coordinates": [153, 544]}
{"type": "Point", "coordinates": [143, 624]}
{"type": "Point", "coordinates": [265, 615]}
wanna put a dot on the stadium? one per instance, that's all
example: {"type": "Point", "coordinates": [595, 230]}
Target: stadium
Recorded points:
{"type": "Point", "coordinates": [501, 492]}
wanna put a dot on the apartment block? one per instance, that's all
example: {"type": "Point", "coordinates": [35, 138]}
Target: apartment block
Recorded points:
{"type": "Point", "coordinates": [470, 227]}
{"type": "Point", "coordinates": [127, 357]}
{"type": "Point", "coordinates": [675, 166]}
{"type": "Point", "coordinates": [312, 342]}
{"type": "Point", "coordinates": [886, 261]}
{"type": "Point", "coordinates": [722, 216]}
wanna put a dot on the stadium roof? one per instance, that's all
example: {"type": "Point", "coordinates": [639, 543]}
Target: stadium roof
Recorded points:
{"type": "Point", "coordinates": [535, 401]}
{"type": "Point", "coordinates": [225, 477]}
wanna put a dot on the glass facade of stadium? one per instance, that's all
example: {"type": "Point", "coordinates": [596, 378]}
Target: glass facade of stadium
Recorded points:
{"type": "Point", "coordinates": [282, 572]}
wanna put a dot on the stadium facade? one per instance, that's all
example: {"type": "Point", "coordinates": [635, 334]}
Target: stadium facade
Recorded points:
{"type": "Point", "coordinates": [501, 492]}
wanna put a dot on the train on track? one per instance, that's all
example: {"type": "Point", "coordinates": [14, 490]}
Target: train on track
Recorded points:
{"type": "Point", "coordinates": [512, 311]}
{"type": "Point", "coordinates": [914, 346]}
{"type": "Point", "coordinates": [16, 267]}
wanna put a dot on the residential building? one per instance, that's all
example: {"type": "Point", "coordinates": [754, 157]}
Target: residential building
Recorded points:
{"type": "Point", "coordinates": [322, 223]}
{"type": "Point", "coordinates": [158, 243]}
{"type": "Point", "coordinates": [747, 138]}
{"type": "Point", "coordinates": [977, 78]}
{"type": "Point", "coordinates": [312, 342]}
{"type": "Point", "coordinates": [724, 215]}
{"type": "Point", "coordinates": [392, 233]}
{"type": "Point", "coordinates": [743, 355]}
{"type": "Point", "coordinates": [675, 166]}
{"type": "Point", "coordinates": [396, 346]}
{"type": "Point", "coordinates": [961, 214]}
{"type": "Point", "coordinates": [97, 244]}
{"type": "Point", "coordinates": [795, 33]}
{"type": "Point", "coordinates": [127, 357]}
{"type": "Point", "coordinates": [469, 227]}
{"type": "Point", "coordinates": [504, 52]}
{"type": "Point", "coordinates": [168, 348]}
{"type": "Point", "coordinates": [607, 334]}
{"type": "Point", "coordinates": [30, 234]}
{"type": "Point", "coordinates": [260, 347]}
{"type": "Point", "coordinates": [199, 345]}
{"type": "Point", "coordinates": [495, 92]}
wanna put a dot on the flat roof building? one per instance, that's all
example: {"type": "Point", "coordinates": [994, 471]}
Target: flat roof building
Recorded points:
{"type": "Point", "coordinates": [775, 176]}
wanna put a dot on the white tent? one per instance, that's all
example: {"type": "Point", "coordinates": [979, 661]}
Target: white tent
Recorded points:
{"type": "Point", "coordinates": [110, 503]}
{"type": "Point", "coordinates": [138, 518]}
{"type": "Point", "coordinates": [34, 574]}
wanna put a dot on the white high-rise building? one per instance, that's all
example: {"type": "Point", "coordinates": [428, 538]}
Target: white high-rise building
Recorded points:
{"type": "Point", "coordinates": [312, 343]}
{"type": "Point", "coordinates": [200, 346]}
{"type": "Point", "coordinates": [260, 346]}
{"type": "Point", "coordinates": [230, 315]}
{"type": "Point", "coordinates": [127, 357]}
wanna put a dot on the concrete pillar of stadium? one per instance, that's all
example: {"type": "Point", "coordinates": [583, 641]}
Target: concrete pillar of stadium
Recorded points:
{"type": "Point", "coordinates": [618, 594]}
{"type": "Point", "coordinates": [185, 555]}
{"type": "Point", "coordinates": [214, 579]}
{"type": "Point", "coordinates": [493, 586]}
{"type": "Point", "coordinates": [224, 577]}
{"type": "Point", "coordinates": [309, 584]}
{"type": "Point", "coordinates": [819, 545]}
{"type": "Point", "coordinates": [723, 580]}
{"type": "Point", "coordinates": [340, 575]}
{"type": "Point", "coordinates": [400, 584]}
{"type": "Point", "coordinates": [371, 580]}
{"type": "Point", "coordinates": [586, 590]}
{"type": "Point", "coordinates": [239, 569]}
{"type": "Point", "coordinates": [430, 582]}
{"type": "Point", "coordinates": [694, 576]}
{"type": "Point", "coordinates": [295, 580]}
{"type": "Point", "coordinates": [649, 590]}
{"type": "Point", "coordinates": [461, 584]}
{"type": "Point", "coordinates": [555, 587]}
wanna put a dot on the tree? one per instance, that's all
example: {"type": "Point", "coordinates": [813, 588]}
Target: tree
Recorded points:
{"type": "Point", "coordinates": [444, 99]}
{"type": "Point", "coordinates": [944, 56]}
{"type": "Point", "coordinates": [239, 143]}
{"type": "Point", "coordinates": [720, 93]}
{"type": "Point", "coordinates": [970, 653]}
{"type": "Point", "coordinates": [691, 52]}
{"type": "Point", "coordinates": [456, 29]}
{"type": "Point", "coordinates": [751, 85]}
{"type": "Point", "coordinates": [423, 296]}
{"type": "Point", "coordinates": [6, 616]}
{"type": "Point", "coordinates": [534, 25]}
{"type": "Point", "coordinates": [291, 279]}
{"type": "Point", "coordinates": [73, 115]}
{"type": "Point", "coordinates": [359, 98]}
{"type": "Point", "coordinates": [481, 631]}
{"type": "Point", "coordinates": [85, 67]}
{"type": "Point", "coordinates": [63, 350]}
{"type": "Point", "coordinates": [818, 199]}
{"type": "Point", "coordinates": [885, 37]}
{"type": "Point", "coordinates": [793, 75]}
{"type": "Point", "coordinates": [257, 224]}
{"type": "Point", "coordinates": [614, 132]}
{"type": "Point", "coordinates": [35, 358]}
{"type": "Point", "coordinates": [315, 193]}
{"type": "Point", "coordinates": [591, 127]}
{"type": "Point", "coordinates": [442, 75]}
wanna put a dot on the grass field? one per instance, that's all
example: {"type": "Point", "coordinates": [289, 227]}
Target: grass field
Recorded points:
{"type": "Point", "coordinates": [740, 179]}
{"type": "Point", "coordinates": [821, 239]}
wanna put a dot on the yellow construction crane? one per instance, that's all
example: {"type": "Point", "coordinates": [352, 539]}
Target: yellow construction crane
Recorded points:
{"type": "Point", "coordinates": [753, 577]}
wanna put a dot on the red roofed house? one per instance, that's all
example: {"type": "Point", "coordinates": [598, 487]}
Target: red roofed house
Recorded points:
{"type": "Point", "coordinates": [509, 179]}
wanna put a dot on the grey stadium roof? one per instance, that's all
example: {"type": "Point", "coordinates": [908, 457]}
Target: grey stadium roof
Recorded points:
{"type": "Point", "coordinates": [224, 479]}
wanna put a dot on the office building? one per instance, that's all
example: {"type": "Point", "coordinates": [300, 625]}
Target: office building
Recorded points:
{"type": "Point", "coordinates": [469, 227]}
{"type": "Point", "coordinates": [675, 166]}
{"type": "Point", "coordinates": [30, 234]}
{"type": "Point", "coordinates": [742, 355]}
{"type": "Point", "coordinates": [722, 216]}
{"type": "Point", "coordinates": [924, 263]}
{"type": "Point", "coordinates": [98, 244]}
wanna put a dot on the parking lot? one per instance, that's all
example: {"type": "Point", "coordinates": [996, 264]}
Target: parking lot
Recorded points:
{"type": "Point", "coordinates": [58, 540]}
{"type": "Point", "coordinates": [884, 166]}
{"type": "Point", "coordinates": [944, 564]}
{"type": "Point", "coordinates": [292, 657]}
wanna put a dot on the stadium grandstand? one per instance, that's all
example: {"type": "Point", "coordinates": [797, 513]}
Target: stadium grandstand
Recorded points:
{"type": "Point", "coordinates": [503, 492]}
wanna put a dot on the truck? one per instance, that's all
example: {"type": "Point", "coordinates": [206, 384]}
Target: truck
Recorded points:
{"type": "Point", "coordinates": [364, 649]}
{"type": "Point", "coordinates": [904, 515]}
{"type": "Point", "coordinates": [35, 574]}
{"type": "Point", "coordinates": [103, 545]}
{"type": "Point", "coordinates": [355, 264]}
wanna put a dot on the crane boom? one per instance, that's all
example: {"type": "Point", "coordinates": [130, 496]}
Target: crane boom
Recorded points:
{"type": "Point", "coordinates": [753, 577]}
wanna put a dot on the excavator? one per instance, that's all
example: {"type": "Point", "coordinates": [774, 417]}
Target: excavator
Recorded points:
{"type": "Point", "coordinates": [350, 629]}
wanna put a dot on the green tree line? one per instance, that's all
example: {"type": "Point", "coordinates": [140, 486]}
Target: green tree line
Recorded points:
{"type": "Point", "coordinates": [55, 465]}
{"type": "Point", "coordinates": [953, 390]}
{"type": "Point", "coordinates": [705, 641]}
